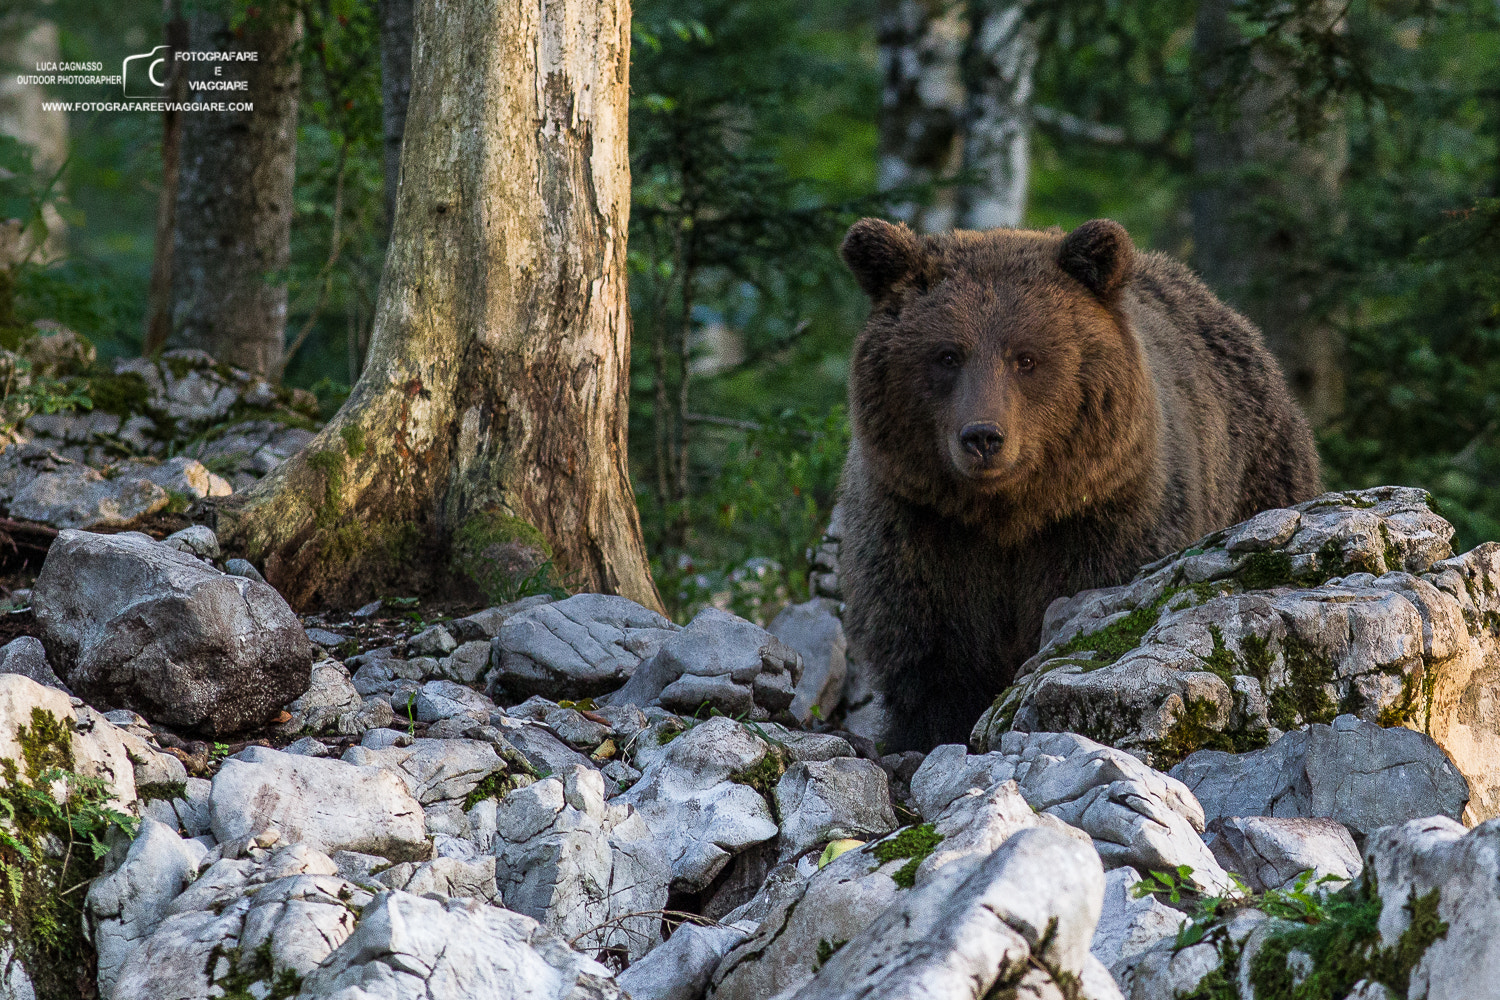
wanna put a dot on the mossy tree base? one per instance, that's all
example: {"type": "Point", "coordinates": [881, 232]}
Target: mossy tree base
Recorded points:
{"type": "Point", "coordinates": [494, 398]}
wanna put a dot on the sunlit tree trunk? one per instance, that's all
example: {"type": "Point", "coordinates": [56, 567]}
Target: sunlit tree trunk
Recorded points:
{"type": "Point", "coordinates": [488, 427]}
{"type": "Point", "coordinates": [234, 199]}
{"type": "Point", "coordinates": [955, 109]}
{"type": "Point", "coordinates": [923, 103]}
{"type": "Point", "coordinates": [395, 90]}
{"type": "Point", "coordinates": [997, 73]}
{"type": "Point", "coordinates": [1263, 198]}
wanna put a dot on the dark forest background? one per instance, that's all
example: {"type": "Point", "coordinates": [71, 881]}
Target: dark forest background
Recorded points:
{"type": "Point", "coordinates": [1331, 169]}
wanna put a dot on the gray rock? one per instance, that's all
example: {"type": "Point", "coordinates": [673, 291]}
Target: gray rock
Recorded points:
{"type": "Point", "coordinates": [733, 665]}
{"type": "Point", "coordinates": [815, 632]}
{"type": "Point", "coordinates": [1129, 925]}
{"type": "Point", "coordinates": [1165, 970]}
{"type": "Point", "coordinates": [485, 625]}
{"type": "Point", "coordinates": [1030, 906]}
{"type": "Point", "coordinates": [843, 798]}
{"type": "Point", "coordinates": [126, 906]}
{"type": "Point", "coordinates": [680, 968]}
{"type": "Point", "coordinates": [1354, 772]}
{"type": "Point", "coordinates": [700, 815]}
{"type": "Point", "coordinates": [99, 749]}
{"type": "Point", "coordinates": [445, 699]}
{"type": "Point", "coordinates": [329, 805]}
{"type": "Point", "coordinates": [412, 948]}
{"type": "Point", "coordinates": [1270, 529]}
{"type": "Point", "coordinates": [591, 872]}
{"type": "Point", "coordinates": [1136, 816]}
{"type": "Point", "coordinates": [331, 704]}
{"type": "Point", "coordinates": [573, 728]}
{"type": "Point", "coordinates": [244, 568]}
{"type": "Point", "coordinates": [467, 663]}
{"type": "Point", "coordinates": [325, 638]}
{"type": "Point", "coordinates": [431, 641]}
{"type": "Point", "coordinates": [434, 770]}
{"type": "Point", "coordinates": [307, 746]}
{"type": "Point", "coordinates": [181, 475]}
{"type": "Point", "coordinates": [76, 496]}
{"type": "Point", "coordinates": [196, 540]}
{"type": "Point", "coordinates": [580, 647]}
{"type": "Point", "coordinates": [380, 739]}
{"type": "Point", "coordinates": [27, 657]}
{"type": "Point", "coordinates": [253, 920]}
{"type": "Point", "coordinates": [546, 753]}
{"type": "Point", "coordinates": [381, 675]}
{"type": "Point", "coordinates": [136, 624]}
{"type": "Point", "coordinates": [450, 878]}
{"type": "Point", "coordinates": [1271, 852]}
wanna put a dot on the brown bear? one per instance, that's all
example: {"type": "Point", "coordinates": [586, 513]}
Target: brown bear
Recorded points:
{"type": "Point", "coordinates": [1035, 414]}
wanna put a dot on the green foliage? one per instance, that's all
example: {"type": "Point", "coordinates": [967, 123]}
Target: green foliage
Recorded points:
{"type": "Point", "coordinates": [915, 843]}
{"type": "Point", "coordinates": [53, 829]}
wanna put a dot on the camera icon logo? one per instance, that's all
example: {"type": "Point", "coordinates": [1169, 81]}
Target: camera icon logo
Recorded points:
{"type": "Point", "coordinates": [145, 75]}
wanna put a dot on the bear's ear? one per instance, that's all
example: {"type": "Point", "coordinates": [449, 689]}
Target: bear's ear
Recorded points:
{"type": "Point", "coordinates": [879, 254]}
{"type": "Point", "coordinates": [1099, 254]}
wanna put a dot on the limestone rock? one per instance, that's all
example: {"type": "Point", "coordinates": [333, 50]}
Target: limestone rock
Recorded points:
{"type": "Point", "coordinates": [734, 665]}
{"type": "Point", "coordinates": [136, 624]}
{"type": "Point", "coordinates": [326, 804]}
{"type": "Point", "coordinates": [76, 496]}
{"type": "Point", "coordinates": [693, 804]}
{"type": "Point", "coordinates": [332, 704]}
{"type": "Point", "coordinates": [815, 632]}
{"type": "Point", "coordinates": [837, 799]}
{"type": "Point", "coordinates": [434, 770]}
{"type": "Point", "coordinates": [1237, 639]}
{"type": "Point", "coordinates": [590, 871]}
{"type": "Point", "coordinates": [1354, 772]}
{"type": "Point", "coordinates": [580, 647]}
{"type": "Point", "coordinates": [1129, 925]}
{"type": "Point", "coordinates": [680, 969]}
{"type": "Point", "coordinates": [1272, 852]}
{"type": "Point", "coordinates": [126, 906]}
{"type": "Point", "coordinates": [195, 540]}
{"type": "Point", "coordinates": [412, 948]}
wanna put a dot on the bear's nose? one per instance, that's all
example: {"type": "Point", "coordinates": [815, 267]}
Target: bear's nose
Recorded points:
{"type": "Point", "coordinates": [981, 440]}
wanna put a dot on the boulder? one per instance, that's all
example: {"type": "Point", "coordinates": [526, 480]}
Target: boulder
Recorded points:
{"type": "Point", "coordinates": [580, 647]}
{"type": "Point", "coordinates": [1130, 924]}
{"type": "Point", "coordinates": [680, 968]}
{"type": "Point", "coordinates": [136, 624]}
{"type": "Point", "coordinates": [700, 798]}
{"type": "Point", "coordinates": [815, 632]}
{"type": "Point", "coordinates": [414, 948]}
{"type": "Point", "coordinates": [1352, 771]}
{"type": "Point", "coordinates": [1223, 646]}
{"type": "Point", "coordinates": [329, 805]}
{"type": "Point", "coordinates": [589, 871]}
{"type": "Point", "coordinates": [1271, 852]}
{"type": "Point", "coordinates": [332, 704]}
{"type": "Point", "coordinates": [97, 749]}
{"type": "Point", "coordinates": [435, 770]}
{"type": "Point", "coordinates": [195, 540]}
{"type": "Point", "coordinates": [728, 663]}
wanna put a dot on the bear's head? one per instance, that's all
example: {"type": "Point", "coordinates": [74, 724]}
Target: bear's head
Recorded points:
{"type": "Point", "coordinates": [997, 374]}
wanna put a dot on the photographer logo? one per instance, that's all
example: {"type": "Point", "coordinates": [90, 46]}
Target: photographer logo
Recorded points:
{"type": "Point", "coordinates": [145, 75]}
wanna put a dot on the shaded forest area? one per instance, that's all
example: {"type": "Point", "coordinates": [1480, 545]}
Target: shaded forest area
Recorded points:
{"type": "Point", "coordinates": [1333, 170]}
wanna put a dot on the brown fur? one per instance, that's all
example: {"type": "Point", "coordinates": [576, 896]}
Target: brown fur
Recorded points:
{"type": "Point", "coordinates": [1129, 412]}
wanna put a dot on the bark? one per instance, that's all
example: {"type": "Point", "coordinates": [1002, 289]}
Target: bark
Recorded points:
{"type": "Point", "coordinates": [395, 90]}
{"type": "Point", "coordinates": [997, 72]}
{"type": "Point", "coordinates": [923, 103]}
{"type": "Point", "coordinates": [1262, 197]}
{"type": "Point", "coordinates": [234, 199]}
{"type": "Point", "coordinates": [489, 421]}
{"type": "Point", "coordinates": [24, 42]}
{"type": "Point", "coordinates": [955, 109]}
{"type": "Point", "coordinates": [159, 298]}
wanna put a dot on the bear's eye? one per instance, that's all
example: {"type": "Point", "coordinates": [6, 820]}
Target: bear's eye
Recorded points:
{"type": "Point", "coordinates": [949, 359]}
{"type": "Point", "coordinates": [1025, 362]}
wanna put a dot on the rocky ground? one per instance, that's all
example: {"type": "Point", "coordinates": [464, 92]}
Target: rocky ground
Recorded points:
{"type": "Point", "coordinates": [1264, 768]}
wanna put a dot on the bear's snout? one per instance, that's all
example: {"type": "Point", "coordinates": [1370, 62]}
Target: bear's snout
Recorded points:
{"type": "Point", "coordinates": [982, 440]}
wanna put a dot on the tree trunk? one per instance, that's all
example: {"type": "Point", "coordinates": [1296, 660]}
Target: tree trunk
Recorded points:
{"type": "Point", "coordinates": [1263, 197]}
{"type": "Point", "coordinates": [234, 200]}
{"type": "Point", "coordinates": [395, 90]}
{"type": "Point", "coordinates": [159, 298]}
{"type": "Point", "coordinates": [997, 66]}
{"type": "Point", "coordinates": [488, 428]}
{"type": "Point", "coordinates": [923, 104]}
